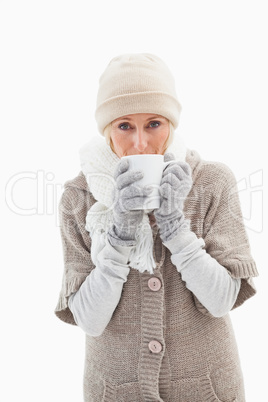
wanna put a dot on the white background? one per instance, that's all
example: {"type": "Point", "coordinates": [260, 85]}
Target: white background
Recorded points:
{"type": "Point", "coordinates": [52, 54]}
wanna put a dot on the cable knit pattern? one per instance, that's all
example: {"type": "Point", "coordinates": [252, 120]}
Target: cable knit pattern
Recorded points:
{"type": "Point", "coordinates": [163, 345]}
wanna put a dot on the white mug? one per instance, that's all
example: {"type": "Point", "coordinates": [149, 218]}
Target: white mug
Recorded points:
{"type": "Point", "coordinates": [152, 166]}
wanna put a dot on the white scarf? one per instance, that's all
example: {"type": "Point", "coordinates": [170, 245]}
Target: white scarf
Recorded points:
{"type": "Point", "coordinates": [98, 163]}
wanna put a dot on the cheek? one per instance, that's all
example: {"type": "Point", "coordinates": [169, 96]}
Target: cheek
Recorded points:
{"type": "Point", "coordinates": [160, 141]}
{"type": "Point", "coordinates": [115, 139]}
{"type": "Point", "coordinates": [120, 144]}
{"type": "Point", "coordinates": [163, 138]}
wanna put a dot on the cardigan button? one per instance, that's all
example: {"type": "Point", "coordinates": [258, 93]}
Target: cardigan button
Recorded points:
{"type": "Point", "coordinates": [154, 284]}
{"type": "Point", "coordinates": [155, 346]}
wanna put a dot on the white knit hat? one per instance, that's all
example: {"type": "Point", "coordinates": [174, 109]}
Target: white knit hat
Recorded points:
{"type": "Point", "coordinates": [136, 83]}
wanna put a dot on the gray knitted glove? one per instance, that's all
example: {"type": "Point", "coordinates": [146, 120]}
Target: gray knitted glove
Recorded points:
{"type": "Point", "coordinates": [175, 186]}
{"type": "Point", "coordinates": [127, 197]}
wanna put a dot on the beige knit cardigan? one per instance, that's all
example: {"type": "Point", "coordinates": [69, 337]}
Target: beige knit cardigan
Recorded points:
{"type": "Point", "coordinates": [199, 361]}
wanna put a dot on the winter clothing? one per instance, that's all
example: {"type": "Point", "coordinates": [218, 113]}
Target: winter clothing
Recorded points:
{"type": "Point", "coordinates": [175, 185]}
{"type": "Point", "coordinates": [136, 83]}
{"type": "Point", "coordinates": [95, 301]}
{"type": "Point", "coordinates": [128, 201]}
{"type": "Point", "coordinates": [209, 281]}
{"type": "Point", "coordinates": [87, 301]}
{"type": "Point", "coordinates": [161, 343]}
{"type": "Point", "coordinates": [99, 164]}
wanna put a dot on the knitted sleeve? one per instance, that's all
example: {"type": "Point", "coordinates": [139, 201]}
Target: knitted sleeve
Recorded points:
{"type": "Point", "coordinates": [76, 243]}
{"type": "Point", "coordinates": [224, 233]}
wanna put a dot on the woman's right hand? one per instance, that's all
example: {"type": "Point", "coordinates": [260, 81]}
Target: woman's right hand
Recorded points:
{"type": "Point", "coordinates": [128, 204]}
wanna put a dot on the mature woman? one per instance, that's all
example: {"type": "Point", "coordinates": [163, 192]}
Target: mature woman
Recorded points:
{"type": "Point", "coordinates": [152, 289]}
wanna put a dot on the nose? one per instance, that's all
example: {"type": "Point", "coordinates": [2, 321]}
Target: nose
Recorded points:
{"type": "Point", "coordinates": [140, 140]}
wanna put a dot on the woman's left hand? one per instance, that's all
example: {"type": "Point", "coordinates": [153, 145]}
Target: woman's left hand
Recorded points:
{"type": "Point", "coordinates": [175, 186]}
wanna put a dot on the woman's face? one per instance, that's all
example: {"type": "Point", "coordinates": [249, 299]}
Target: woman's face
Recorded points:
{"type": "Point", "coordinates": [140, 133]}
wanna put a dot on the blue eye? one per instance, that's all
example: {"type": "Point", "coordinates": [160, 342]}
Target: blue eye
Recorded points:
{"type": "Point", "coordinates": [123, 124]}
{"type": "Point", "coordinates": [152, 124]}
{"type": "Point", "coordinates": [155, 122]}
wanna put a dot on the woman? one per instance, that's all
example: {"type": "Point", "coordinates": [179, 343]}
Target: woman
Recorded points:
{"type": "Point", "coordinates": [152, 289]}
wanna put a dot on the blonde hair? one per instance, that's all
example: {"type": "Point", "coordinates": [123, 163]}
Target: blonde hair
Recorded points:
{"type": "Point", "coordinates": [107, 135]}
